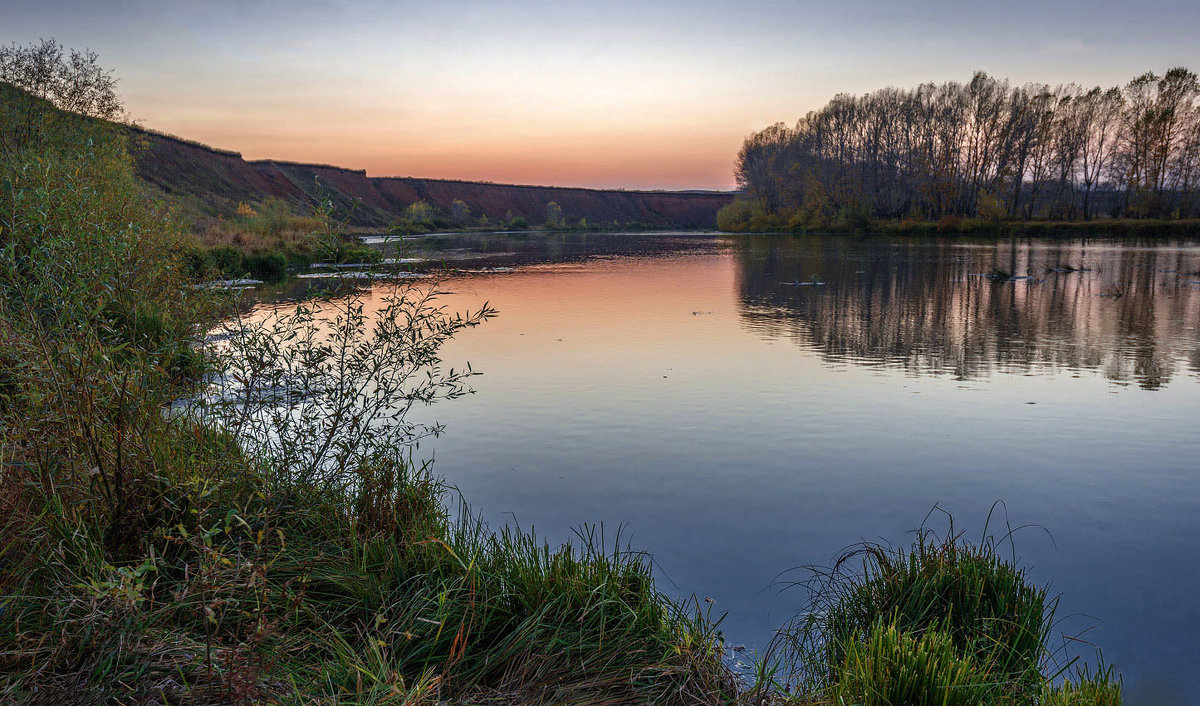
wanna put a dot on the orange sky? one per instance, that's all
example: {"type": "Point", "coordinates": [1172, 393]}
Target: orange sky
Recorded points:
{"type": "Point", "coordinates": [606, 157]}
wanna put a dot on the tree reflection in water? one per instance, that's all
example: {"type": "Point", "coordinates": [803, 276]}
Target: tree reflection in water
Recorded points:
{"type": "Point", "coordinates": [1128, 310]}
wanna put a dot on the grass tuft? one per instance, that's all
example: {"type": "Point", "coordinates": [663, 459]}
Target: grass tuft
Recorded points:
{"type": "Point", "coordinates": [937, 621]}
{"type": "Point", "coordinates": [896, 667]}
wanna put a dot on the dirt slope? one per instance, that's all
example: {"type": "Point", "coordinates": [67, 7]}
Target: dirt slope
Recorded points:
{"type": "Point", "coordinates": [216, 180]}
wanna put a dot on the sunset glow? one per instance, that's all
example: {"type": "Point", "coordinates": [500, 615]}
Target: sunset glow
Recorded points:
{"type": "Point", "coordinates": [633, 95]}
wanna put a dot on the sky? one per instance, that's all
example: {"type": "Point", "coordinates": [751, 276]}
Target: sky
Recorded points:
{"type": "Point", "coordinates": [617, 94]}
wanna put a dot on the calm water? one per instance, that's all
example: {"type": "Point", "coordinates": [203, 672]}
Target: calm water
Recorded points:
{"type": "Point", "coordinates": [744, 405]}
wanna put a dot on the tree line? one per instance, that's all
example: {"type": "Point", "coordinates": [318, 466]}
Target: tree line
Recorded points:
{"type": "Point", "coordinates": [983, 149]}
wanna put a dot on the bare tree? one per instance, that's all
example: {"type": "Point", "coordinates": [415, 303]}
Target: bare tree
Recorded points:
{"type": "Point", "coordinates": [944, 149]}
{"type": "Point", "coordinates": [55, 78]}
{"type": "Point", "coordinates": [70, 80]}
{"type": "Point", "coordinates": [1100, 111]}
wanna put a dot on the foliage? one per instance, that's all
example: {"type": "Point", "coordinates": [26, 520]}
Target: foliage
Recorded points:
{"type": "Point", "coordinates": [934, 622]}
{"type": "Point", "coordinates": [424, 217]}
{"type": "Point", "coordinates": [1100, 688]}
{"type": "Point", "coordinates": [269, 267]}
{"type": "Point", "coordinates": [554, 216]}
{"type": "Point", "coordinates": [265, 241]}
{"type": "Point", "coordinates": [322, 388]}
{"type": "Point", "coordinates": [95, 319]}
{"type": "Point", "coordinates": [990, 208]}
{"type": "Point", "coordinates": [735, 215]}
{"type": "Point", "coordinates": [460, 212]}
{"type": "Point", "coordinates": [420, 215]}
{"type": "Point", "coordinates": [272, 217]}
{"type": "Point", "coordinates": [72, 81]}
{"type": "Point", "coordinates": [246, 523]}
{"type": "Point", "coordinates": [986, 149]}
{"type": "Point", "coordinates": [892, 666]}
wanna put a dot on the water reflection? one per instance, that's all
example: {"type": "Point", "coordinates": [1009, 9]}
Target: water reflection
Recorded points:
{"type": "Point", "coordinates": [1126, 310]}
{"type": "Point", "coordinates": [482, 250]}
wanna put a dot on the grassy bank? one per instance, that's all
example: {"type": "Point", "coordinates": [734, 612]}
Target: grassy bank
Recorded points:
{"type": "Point", "coordinates": [269, 240]}
{"type": "Point", "coordinates": [216, 552]}
{"type": "Point", "coordinates": [743, 217]}
{"type": "Point", "coordinates": [266, 241]}
{"type": "Point", "coordinates": [1097, 227]}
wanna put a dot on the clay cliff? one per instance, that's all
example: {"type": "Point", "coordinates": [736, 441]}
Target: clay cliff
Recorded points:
{"type": "Point", "coordinates": [216, 180]}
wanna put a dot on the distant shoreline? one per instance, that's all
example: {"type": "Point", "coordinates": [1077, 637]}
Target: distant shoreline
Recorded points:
{"type": "Point", "coordinates": [1101, 227]}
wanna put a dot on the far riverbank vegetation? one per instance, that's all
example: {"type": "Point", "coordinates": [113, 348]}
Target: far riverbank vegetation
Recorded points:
{"type": "Point", "coordinates": [984, 157]}
{"type": "Point", "coordinates": [206, 507]}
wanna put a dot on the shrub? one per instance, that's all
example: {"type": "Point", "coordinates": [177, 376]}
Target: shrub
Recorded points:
{"type": "Point", "coordinates": [270, 218]}
{"type": "Point", "coordinates": [197, 263]}
{"type": "Point", "coordinates": [855, 217]}
{"type": "Point", "coordinates": [990, 208]}
{"type": "Point", "coordinates": [270, 267]}
{"type": "Point", "coordinates": [324, 387]}
{"type": "Point", "coordinates": [228, 261]}
{"type": "Point", "coordinates": [949, 224]}
{"type": "Point", "coordinates": [554, 216]}
{"type": "Point", "coordinates": [734, 216]}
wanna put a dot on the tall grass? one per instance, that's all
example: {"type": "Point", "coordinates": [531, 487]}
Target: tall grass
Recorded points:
{"type": "Point", "coordinates": [943, 620]}
{"type": "Point", "coordinates": [893, 666]}
{"type": "Point", "coordinates": [985, 606]}
{"type": "Point", "coordinates": [1101, 687]}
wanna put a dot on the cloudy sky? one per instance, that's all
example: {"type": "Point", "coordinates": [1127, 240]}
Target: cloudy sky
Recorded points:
{"type": "Point", "coordinates": [608, 94]}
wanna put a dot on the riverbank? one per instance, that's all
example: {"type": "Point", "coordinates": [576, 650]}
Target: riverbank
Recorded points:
{"type": "Point", "coordinates": [1098, 227]}
{"type": "Point", "coordinates": [269, 243]}
{"type": "Point", "coordinates": [971, 227]}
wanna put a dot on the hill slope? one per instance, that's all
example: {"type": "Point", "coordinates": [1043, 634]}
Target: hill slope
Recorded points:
{"type": "Point", "coordinates": [217, 180]}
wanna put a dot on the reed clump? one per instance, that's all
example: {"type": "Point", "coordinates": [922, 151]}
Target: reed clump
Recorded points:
{"type": "Point", "coordinates": [892, 666]}
{"type": "Point", "coordinates": [941, 621]}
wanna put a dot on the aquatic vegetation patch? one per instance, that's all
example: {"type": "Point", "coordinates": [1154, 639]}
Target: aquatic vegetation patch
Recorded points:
{"type": "Point", "coordinates": [941, 619]}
